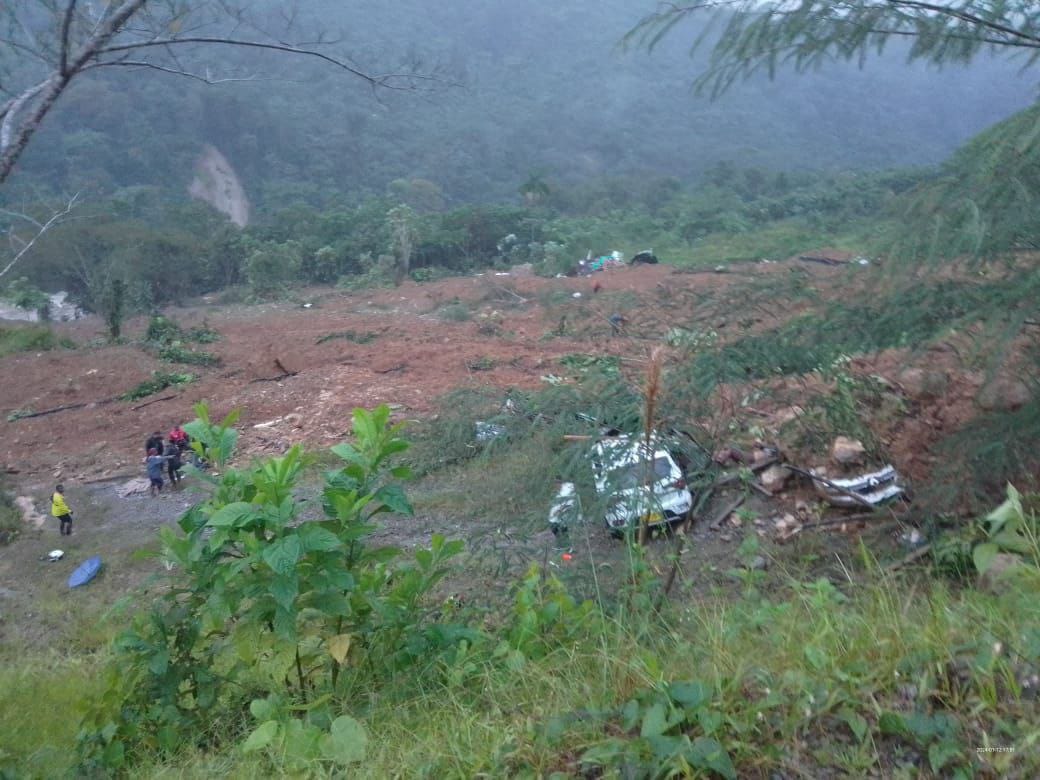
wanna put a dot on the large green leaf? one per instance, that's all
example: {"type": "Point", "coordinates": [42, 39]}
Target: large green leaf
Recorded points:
{"type": "Point", "coordinates": [707, 753]}
{"type": "Point", "coordinates": [983, 556]}
{"type": "Point", "coordinates": [346, 742]}
{"type": "Point", "coordinates": [284, 588]}
{"type": "Point", "coordinates": [283, 554]}
{"type": "Point", "coordinates": [313, 537]}
{"type": "Point", "coordinates": [691, 695]}
{"type": "Point", "coordinates": [232, 515]}
{"type": "Point", "coordinates": [655, 721]}
{"type": "Point", "coordinates": [392, 498]}
{"type": "Point", "coordinates": [261, 737]}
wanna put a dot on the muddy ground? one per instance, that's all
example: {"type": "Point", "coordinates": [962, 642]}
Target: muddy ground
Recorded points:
{"type": "Point", "coordinates": [413, 349]}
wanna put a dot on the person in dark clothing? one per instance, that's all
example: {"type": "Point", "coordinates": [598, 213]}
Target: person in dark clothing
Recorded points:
{"type": "Point", "coordinates": [155, 442]}
{"type": "Point", "coordinates": [173, 462]}
{"type": "Point", "coordinates": [154, 464]}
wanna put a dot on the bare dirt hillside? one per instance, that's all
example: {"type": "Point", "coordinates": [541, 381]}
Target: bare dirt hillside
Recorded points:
{"type": "Point", "coordinates": [296, 370]}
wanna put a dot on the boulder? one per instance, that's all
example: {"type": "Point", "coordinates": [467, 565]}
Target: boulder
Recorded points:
{"type": "Point", "coordinates": [848, 452]}
{"type": "Point", "coordinates": [774, 478]}
{"type": "Point", "coordinates": [1002, 566]}
{"type": "Point", "coordinates": [924, 383]}
{"type": "Point", "coordinates": [1004, 394]}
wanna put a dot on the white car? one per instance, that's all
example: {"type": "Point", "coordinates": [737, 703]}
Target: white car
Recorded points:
{"type": "Point", "coordinates": [644, 484]}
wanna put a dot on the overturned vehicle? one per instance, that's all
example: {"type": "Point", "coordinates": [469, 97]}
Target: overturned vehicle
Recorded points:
{"type": "Point", "coordinates": [635, 483]}
{"type": "Point", "coordinates": [642, 482]}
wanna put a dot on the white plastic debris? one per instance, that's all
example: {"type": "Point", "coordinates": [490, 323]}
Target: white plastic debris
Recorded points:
{"type": "Point", "coordinates": [576, 295]}
{"type": "Point", "coordinates": [486, 431]}
{"type": "Point", "coordinates": [55, 555]}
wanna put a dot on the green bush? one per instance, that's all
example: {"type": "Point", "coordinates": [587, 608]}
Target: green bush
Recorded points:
{"type": "Point", "coordinates": [10, 517]}
{"type": "Point", "coordinates": [275, 620]}
{"type": "Point", "coordinates": [455, 312]}
{"type": "Point", "coordinates": [178, 354]}
{"type": "Point", "coordinates": [159, 381]}
{"type": "Point", "coordinates": [163, 330]}
{"type": "Point", "coordinates": [30, 338]}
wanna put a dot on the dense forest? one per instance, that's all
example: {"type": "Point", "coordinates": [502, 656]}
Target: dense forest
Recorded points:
{"type": "Point", "coordinates": [540, 89]}
{"type": "Point", "coordinates": [535, 122]}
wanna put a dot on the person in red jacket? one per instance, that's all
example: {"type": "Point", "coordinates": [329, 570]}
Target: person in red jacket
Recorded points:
{"type": "Point", "coordinates": [179, 437]}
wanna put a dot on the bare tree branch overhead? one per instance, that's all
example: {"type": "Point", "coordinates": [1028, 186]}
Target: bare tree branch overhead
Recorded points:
{"type": "Point", "coordinates": [46, 44]}
{"type": "Point", "coordinates": [23, 246]}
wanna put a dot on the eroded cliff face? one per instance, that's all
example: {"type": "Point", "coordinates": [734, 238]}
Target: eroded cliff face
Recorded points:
{"type": "Point", "coordinates": [217, 184]}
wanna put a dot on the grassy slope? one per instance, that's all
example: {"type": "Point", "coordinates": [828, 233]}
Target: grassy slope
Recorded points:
{"type": "Point", "coordinates": [801, 683]}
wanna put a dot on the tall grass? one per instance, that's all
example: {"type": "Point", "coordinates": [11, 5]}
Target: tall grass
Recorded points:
{"type": "Point", "coordinates": [30, 338]}
{"type": "Point", "coordinates": [810, 684]}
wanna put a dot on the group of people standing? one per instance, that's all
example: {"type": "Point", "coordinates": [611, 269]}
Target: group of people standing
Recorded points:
{"type": "Point", "coordinates": [161, 453]}
{"type": "Point", "coordinates": [165, 453]}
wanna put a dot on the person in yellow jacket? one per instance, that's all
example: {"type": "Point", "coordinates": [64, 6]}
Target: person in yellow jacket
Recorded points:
{"type": "Point", "coordinates": [61, 511]}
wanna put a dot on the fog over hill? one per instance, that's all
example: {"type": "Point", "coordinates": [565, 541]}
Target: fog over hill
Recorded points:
{"type": "Point", "coordinates": [543, 88]}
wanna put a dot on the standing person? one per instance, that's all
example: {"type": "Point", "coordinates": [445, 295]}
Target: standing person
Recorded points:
{"type": "Point", "coordinates": [155, 442]}
{"type": "Point", "coordinates": [173, 462]}
{"type": "Point", "coordinates": [179, 437]}
{"type": "Point", "coordinates": [61, 511]}
{"type": "Point", "coordinates": [154, 464]}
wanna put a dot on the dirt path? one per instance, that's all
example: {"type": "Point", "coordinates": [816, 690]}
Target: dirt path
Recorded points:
{"type": "Point", "coordinates": [36, 603]}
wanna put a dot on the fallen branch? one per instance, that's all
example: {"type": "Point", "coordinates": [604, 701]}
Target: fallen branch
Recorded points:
{"type": "Point", "coordinates": [736, 475]}
{"type": "Point", "coordinates": [281, 367]}
{"type": "Point", "coordinates": [510, 292]}
{"type": "Point", "coordinates": [153, 401]}
{"type": "Point", "coordinates": [726, 512]}
{"type": "Point", "coordinates": [837, 488]}
{"type": "Point", "coordinates": [45, 412]}
{"type": "Point", "coordinates": [920, 552]}
{"type": "Point", "coordinates": [839, 521]}
{"type": "Point", "coordinates": [398, 367]}
{"type": "Point", "coordinates": [822, 260]}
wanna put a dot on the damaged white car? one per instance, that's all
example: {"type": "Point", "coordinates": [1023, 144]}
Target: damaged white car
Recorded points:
{"type": "Point", "coordinates": [643, 484]}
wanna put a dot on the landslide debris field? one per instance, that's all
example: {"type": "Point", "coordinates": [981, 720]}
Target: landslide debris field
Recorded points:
{"type": "Point", "coordinates": [765, 360]}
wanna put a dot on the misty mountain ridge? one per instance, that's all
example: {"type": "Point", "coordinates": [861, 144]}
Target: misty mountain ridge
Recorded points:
{"type": "Point", "coordinates": [542, 89]}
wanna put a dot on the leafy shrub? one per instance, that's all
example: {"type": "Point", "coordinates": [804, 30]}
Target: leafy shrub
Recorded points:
{"type": "Point", "coordinates": [203, 334]}
{"type": "Point", "coordinates": [299, 617]}
{"type": "Point", "coordinates": [455, 312]}
{"type": "Point", "coordinates": [178, 354]}
{"type": "Point", "coordinates": [365, 337]}
{"type": "Point", "coordinates": [271, 267]}
{"type": "Point", "coordinates": [163, 330]}
{"type": "Point", "coordinates": [10, 517]}
{"type": "Point", "coordinates": [31, 338]}
{"type": "Point", "coordinates": [25, 295]}
{"type": "Point", "coordinates": [159, 381]}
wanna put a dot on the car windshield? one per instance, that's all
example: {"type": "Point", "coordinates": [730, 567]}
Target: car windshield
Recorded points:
{"type": "Point", "coordinates": [632, 475]}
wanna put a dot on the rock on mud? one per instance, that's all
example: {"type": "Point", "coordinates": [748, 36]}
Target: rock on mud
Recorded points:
{"type": "Point", "coordinates": [923, 383]}
{"type": "Point", "coordinates": [848, 452]}
{"type": "Point", "coordinates": [1004, 394]}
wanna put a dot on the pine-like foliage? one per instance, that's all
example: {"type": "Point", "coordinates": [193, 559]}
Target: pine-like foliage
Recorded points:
{"type": "Point", "coordinates": [984, 203]}
{"type": "Point", "coordinates": [747, 37]}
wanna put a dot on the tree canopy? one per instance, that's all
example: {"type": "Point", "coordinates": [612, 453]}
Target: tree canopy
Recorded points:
{"type": "Point", "coordinates": [747, 37]}
{"type": "Point", "coordinates": [983, 200]}
{"type": "Point", "coordinates": [46, 44]}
